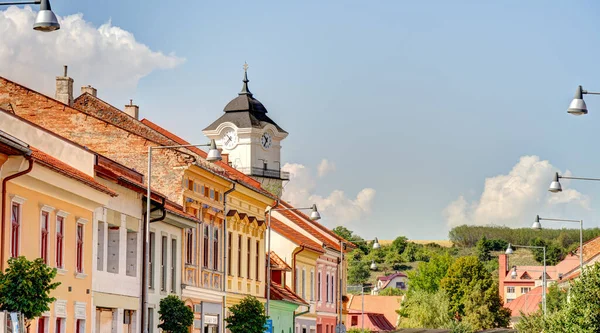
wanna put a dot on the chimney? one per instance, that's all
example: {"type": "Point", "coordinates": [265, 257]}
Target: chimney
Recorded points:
{"type": "Point", "coordinates": [502, 272]}
{"type": "Point", "coordinates": [64, 89]}
{"type": "Point", "coordinates": [90, 90]}
{"type": "Point", "coordinates": [132, 110]}
{"type": "Point", "coordinates": [225, 158]}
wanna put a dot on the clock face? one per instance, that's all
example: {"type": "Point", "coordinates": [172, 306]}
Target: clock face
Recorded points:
{"type": "Point", "coordinates": [266, 140]}
{"type": "Point", "coordinates": [230, 139]}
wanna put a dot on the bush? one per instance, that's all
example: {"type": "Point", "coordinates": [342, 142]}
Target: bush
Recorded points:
{"type": "Point", "coordinates": [175, 317]}
{"type": "Point", "coordinates": [247, 317]}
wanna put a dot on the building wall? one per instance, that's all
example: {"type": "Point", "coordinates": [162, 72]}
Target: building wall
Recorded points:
{"type": "Point", "coordinates": [282, 314]}
{"type": "Point", "coordinates": [73, 296]}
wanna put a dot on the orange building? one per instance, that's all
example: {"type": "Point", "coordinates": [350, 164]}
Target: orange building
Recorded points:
{"type": "Point", "coordinates": [47, 212]}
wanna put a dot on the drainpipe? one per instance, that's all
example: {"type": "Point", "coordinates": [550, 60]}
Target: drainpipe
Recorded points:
{"type": "Point", "coordinates": [225, 263]}
{"type": "Point", "coordinates": [145, 253]}
{"type": "Point", "coordinates": [3, 208]}
{"type": "Point", "coordinates": [299, 314]}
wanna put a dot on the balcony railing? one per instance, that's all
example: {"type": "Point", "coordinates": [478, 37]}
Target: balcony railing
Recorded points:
{"type": "Point", "coordinates": [268, 173]}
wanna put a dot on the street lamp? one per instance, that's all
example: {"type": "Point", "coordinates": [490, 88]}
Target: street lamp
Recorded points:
{"type": "Point", "coordinates": [510, 251]}
{"type": "Point", "coordinates": [314, 216]}
{"type": "Point", "coordinates": [45, 21]}
{"type": "Point", "coordinates": [214, 155]}
{"type": "Point", "coordinates": [362, 293]}
{"type": "Point", "coordinates": [538, 226]}
{"type": "Point", "coordinates": [577, 106]}
{"type": "Point", "coordinates": [373, 265]}
{"type": "Point", "coordinates": [556, 187]}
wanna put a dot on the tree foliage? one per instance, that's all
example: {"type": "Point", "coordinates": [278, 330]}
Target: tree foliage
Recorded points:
{"type": "Point", "coordinates": [358, 272]}
{"type": "Point", "coordinates": [391, 292]}
{"type": "Point", "coordinates": [429, 274]}
{"type": "Point", "coordinates": [425, 310]}
{"type": "Point", "coordinates": [175, 317]}
{"type": "Point", "coordinates": [484, 249]}
{"type": "Point", "coordinates": [247, 317]}
{"type": "Point", "coordinates": [554, 253]}
{"type": "Point", "coordinates": [25, 287]}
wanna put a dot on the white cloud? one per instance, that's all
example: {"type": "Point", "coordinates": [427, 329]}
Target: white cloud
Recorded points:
{"type": "Point", "coordinates": [108, 58]}
{"type": "Point", "coordinates": [336, 206]}
{"type": "Point", "coordinates": [515, 197]}
{"type": "Point", "coordinates": [325, 167]}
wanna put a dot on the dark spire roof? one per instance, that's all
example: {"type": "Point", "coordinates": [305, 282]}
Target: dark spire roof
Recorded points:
{"type": "Point", "coordinates": [245, 100]}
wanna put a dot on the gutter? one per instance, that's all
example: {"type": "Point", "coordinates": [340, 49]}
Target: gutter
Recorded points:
{"type": "Point", "coordinates": [300, 314]}
{"type": "Point", "coordinates": [3, 208]}
{"type": "Point", "coordinates": [302, 248]}
{"type": "Point", "coordinates": [225, 263]}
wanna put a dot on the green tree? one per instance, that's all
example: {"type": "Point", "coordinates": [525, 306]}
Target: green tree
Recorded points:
{"type": "Point", "coordinates": [247, 317]}
{"type": "Point", "coordinates": [25, 287]}
{"type": "Point", "coordinates": [533, 323]}
{"type": "Point", "coordinates": [421, 309]}
{"type": "Point", "coordinates": [344, 232]}
{"type": "Point", "coordinates": [428, 275]}
{"type": "Point", "coordinates": [484, 249]}
{"type": "Point", "coordinates": [358, 272]}
{"type": "Point", "coordinates": [556, 298]}
{"type": "Point", "coordinates": [391, 292]}
{"type": "Point", "coordinates": [484, 309]}
{"type": "Point", "coordinates": [175, 317]}
{"type": "Point", "coordinates": [399, 244]}
{"type": "Point", "coordinates": [463, 275]}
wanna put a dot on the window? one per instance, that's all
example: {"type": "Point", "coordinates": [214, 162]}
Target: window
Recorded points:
{"type": "Point", "coordinates": [80, 326]}
{"type": "Point", "coordinates": [79, 250]}
{"type": "Point", "coordinates": [151, 262]}
{"type": "Point", "coordinates": [216, 249]}
{"type": "Point", "coordinates": [100, 254]}
{"type": "Point", "coordinates": [15, 229]}
{"type": "Point", "coordinates": [150, 320]}
{"type": "Point", "coordinates": [297, 281]}
{"type": "Point", "coordinates": [173, 265]}
{"type": "Point", "coordinates": [508, 300]}
{"type": "Point", "coordinates": [400, 285]}
{"type": "Point", "coordinates": [163, 263]}
{"type": "Point", "coordinates": [327, 288]}
{"type": "Point", "coordinates": [212, 194]}
{"type": "Point", "coordinates": [205, 246]}
{"type": "Point", "coordinates": [60, 228]}
{"type": "Point", "coordinates": [59, 325]}
{"type": "Point", "coordinates": [191, 185]}
{"type": "Point", "coordinates": [217, 195]}
{"type": "Point", "coordinates": [312, 285]}
{"type": "Point", "coordinates": [525, 290]}
{"type": "Point", "coordinates": [303, 283]}
{"type": "Point", "coordinates": [131, 260]}
{"type": "Point", "coordinates": [332, 285]}
{"type": "Point", "coordinates": [206, 191]}
{"type": "Point", "coordinates": [248, 256]}
{"type": "Point", "coordinates": [189, 246]}
{"type": "Point", "coordinates": [239, 272]}
{"type": "Point", "coordinates": [229, 253]}
{"type": "Point", "coordinates": [510, 290]}
{"type": "Point", "coordinates": [201, 189]}
{"type": "Point", "coordinates": [319, 286]}
{"type": "Point", "coordinates": [42, 325]}
{"type": "Point", "coordinates": [128, 320]}
{"type": "Point", "coordinates": [44, 238]}
{"type": "Point", "coordinates": [113, 250]}
{"type": "Point", "coordinates": [354, 321]}
{"type": "Point", "coordinates": [257, 275]}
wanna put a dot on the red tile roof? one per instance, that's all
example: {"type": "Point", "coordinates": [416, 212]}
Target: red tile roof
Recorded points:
{"type": "Point", "coordinates": [527, 303]}
{"type": "Point", "coordinates": [279, 293]}
{"type": "Point", "coordinates": [279, 264]}
{"type": "Point", "coordinates": [302, 223]}
{"type": "Point", "coordinates": [294, 236]}
{"type": "Point", "coordinates": [374, 322]}
{"type": "Point", "coordinates": [386, 305]}
{"type": "Point", "coordinates": [391, 276]}
{"type": "Point", "coordinates": [66, 170]}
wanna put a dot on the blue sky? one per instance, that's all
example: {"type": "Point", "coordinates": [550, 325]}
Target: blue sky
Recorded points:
{"type": "Point", "coordinates": [420, 100]}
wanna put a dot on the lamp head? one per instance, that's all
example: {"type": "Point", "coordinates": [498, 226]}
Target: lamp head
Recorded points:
{"type": "Point", "coordinates": [509, 249]}
{"type": "Point", "coordinates": [373, 265]}
{"type": "Point", "coordinates": [214, 154]}
{"type": "Point", "coordinates": [513, 274]}
{"type": "Point", "coordinates": [46, 21]}
{"type": "Point", "coordinates": [314, 214]}
{"type": "Point", "coordinates": [555, 185]}
{"type": "Point", "coordinates": [577, 106]}
{"type": "Point", "coordinates": [376, 245]}
{"type": "Point", "coordinates": [536, 224]}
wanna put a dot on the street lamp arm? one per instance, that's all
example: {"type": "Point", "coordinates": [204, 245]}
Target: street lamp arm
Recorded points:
{"type": "Point", "coordinates": [529, 246]}
{"type": "Point", "coordinates": [284, 209]}
{"type": "Point", "coordinates": [579, 178]}
{"type": "Point", "coordinates": [590, 92]}
{"type": "Point", "coordinates": [559, 220]}
{"type": "Point", "coordinates": [181, 146]}
{"type": "Point", "coordinates": [17, 3]}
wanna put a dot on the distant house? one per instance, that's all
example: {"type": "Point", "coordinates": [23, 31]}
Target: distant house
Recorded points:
{"type": "Point", "coordinates": [379, 312]}
{"type": "Point", "coordinates": [396, 280]}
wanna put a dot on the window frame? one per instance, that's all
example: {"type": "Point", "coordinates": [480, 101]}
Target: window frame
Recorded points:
{"type": "Point", "coordinates": [60, 241]}
{"type": "Point", "coordinates": [215, 247]}
{"type": "Point", "coordinates": [16, 217]}
{"type": "Point", "coordinates": [189, 246]}
{"type": "Point", "coordinates": [239, 272]}
{"type": "Point", "coordinates": [79, 255]}
{"type": "Point", "coordinates": [205, 246]}
{"type": "Point", "coordinates": [44, 235]}
{"type": "Point", "coordinates": [248, 257]}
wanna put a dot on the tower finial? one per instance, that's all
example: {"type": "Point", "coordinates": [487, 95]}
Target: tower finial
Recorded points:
{"type": "Point", "coordinates": [245, 90]}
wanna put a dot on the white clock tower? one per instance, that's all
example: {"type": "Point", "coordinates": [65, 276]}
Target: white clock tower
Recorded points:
{"type": "Point", "coordinates": [251, 139]}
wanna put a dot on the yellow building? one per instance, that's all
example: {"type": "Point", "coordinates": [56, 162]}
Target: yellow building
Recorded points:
{"type": "Point", "coordinates": [47, 212]}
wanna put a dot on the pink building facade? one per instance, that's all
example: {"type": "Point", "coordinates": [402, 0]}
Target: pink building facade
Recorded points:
{"type": "Point", "coordinates": [327, 305]}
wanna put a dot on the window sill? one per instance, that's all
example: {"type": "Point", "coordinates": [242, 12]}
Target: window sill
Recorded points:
{"type": "Point", "coordinates": [80, 275]}
{"type": "Point", "coordinates": [61, 271]}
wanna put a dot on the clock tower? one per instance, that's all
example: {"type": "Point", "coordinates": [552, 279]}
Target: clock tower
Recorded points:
{"type": "Point", "coordinates": [251, 139]}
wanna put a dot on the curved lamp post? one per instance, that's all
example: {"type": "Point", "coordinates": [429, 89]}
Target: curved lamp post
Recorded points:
{"type": "Point", "coordinates": [214, 155]}
{"type": "Point", "coordinates": [556, 187]}
{"type": "Point", "coordinates": [538, 226]}
{"type": "Point", "coordinates": [509, 251]}
{"type": "Point", "coordinates": [577, 106]}
{"type": "Point", "coordinates": [46, 20]}
{"type": "Point", "coordinates": [314, 216]}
